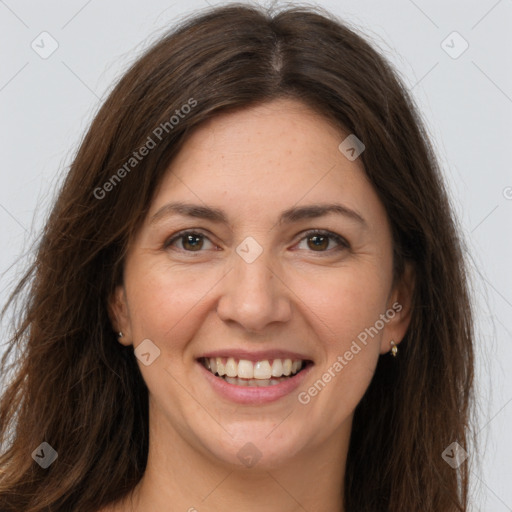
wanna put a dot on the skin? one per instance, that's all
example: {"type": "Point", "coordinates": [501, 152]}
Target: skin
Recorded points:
{"type": "Point", "coordinates": [253, 164]}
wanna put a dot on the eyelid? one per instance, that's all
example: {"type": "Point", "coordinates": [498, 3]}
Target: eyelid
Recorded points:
{"type": "Point", "coordinates": [181, 234]}
{"type": "Point", "coordinates": [341, 241]}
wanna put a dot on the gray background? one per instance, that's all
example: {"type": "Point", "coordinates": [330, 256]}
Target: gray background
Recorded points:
{"type": "Point", "coordinates": [47, 104]}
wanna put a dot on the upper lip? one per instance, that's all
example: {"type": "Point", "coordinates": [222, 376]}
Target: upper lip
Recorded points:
{"type": "Point", "coordinates": [257, 356]}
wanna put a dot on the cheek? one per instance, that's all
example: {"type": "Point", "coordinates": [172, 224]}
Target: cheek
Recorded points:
{"type": "Point", "coordinates": [164, 302]}
{"type": "Point", "coordinates": [343, 308]}
{"type": "Point", "coordinates": [348, 355]}
{"type": "Point", "coordinates": [343, 302]}
{"type": "Point", "coordinates": [337, 391]}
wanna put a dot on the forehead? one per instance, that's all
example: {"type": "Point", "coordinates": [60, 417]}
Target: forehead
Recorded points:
{"type": "Point", "coordinates": [282, 134]}
{"type": "Point", "coordinates": [267, 157]}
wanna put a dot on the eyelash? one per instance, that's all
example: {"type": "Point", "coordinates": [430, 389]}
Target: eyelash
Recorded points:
{"type": "Point", "coordinates": [342, 243]}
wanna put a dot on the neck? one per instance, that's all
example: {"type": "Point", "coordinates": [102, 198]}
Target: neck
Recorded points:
{"type": "Point", "coordinates": [179, 476]}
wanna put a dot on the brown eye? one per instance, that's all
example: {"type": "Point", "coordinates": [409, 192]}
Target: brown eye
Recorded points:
{"type": "Point", "coordinates": [318, 242]}
{"type": "Point", "coordinates": [190, 241]}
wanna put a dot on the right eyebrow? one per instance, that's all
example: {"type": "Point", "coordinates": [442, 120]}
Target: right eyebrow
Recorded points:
{"type": "Point", "coordinates": [190, 210]}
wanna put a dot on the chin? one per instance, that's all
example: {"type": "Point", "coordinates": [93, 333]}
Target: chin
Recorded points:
{"type": "Point", "coordinates": [257, 448]}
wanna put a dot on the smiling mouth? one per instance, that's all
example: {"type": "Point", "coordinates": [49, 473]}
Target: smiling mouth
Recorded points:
{"type": "Point", "coordinates": [242, 372]}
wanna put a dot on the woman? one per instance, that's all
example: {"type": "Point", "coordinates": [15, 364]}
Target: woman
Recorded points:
{"type": "Point", "coordinates": [251, 278]}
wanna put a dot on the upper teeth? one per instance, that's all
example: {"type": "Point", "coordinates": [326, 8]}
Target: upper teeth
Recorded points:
{"type": "Point", "coordinates": [246, 369]}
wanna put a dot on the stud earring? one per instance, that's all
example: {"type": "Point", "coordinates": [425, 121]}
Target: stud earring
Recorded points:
{"type": "Point", "coordinates": [120, 334]}
{"type": "Point", "coordinates": [394, 349]}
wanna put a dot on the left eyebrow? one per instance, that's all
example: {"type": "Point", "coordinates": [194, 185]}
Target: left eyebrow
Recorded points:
{"type": "Point", "coordinates": [289, 216]}
{"type": "Point", "coordinates": [319, 210]}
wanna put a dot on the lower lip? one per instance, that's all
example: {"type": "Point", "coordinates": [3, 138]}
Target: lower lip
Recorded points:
{"type": "Point", "coordinates": [252, 394]}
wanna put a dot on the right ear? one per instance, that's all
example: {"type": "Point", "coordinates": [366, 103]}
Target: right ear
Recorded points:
{"type": "Point", "coordinates": [119, 314]}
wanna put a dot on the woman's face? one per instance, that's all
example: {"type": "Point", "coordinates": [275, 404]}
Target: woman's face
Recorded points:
{"type": "Point", "coordinates": [235, 273]}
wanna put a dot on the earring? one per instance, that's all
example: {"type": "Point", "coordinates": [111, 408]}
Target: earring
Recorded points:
{"type": "Point", "coordinates": [394, 348]}
{"type": "Point", "coordinates": [120, 334]}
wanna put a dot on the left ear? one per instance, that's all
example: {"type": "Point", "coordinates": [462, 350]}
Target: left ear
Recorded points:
{"type": "Point", "coordinates": [399, 309]}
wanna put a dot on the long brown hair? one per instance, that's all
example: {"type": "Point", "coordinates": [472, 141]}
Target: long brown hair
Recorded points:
{"type": "Point", "coordinates": [76, 388]}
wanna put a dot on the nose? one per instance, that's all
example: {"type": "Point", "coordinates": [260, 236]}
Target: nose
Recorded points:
{"type": "Point", "coordinates": [253, 295]}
